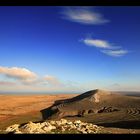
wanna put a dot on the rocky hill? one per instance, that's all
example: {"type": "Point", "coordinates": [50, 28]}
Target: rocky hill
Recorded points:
{"type": "Point", "coordinates": [91, 102]}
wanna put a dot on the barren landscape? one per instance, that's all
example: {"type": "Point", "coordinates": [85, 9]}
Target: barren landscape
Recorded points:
{"type": "Point", "coordinates": [69, 69]}
{"type": "Point", "coordinates": [21, 109]}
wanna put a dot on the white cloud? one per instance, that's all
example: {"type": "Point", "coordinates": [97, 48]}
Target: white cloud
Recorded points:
{"type": "Point", "coordinates": [109, 48]}
{"type": "Point", "coordinates": [27, 77]}
{"type": "Point", "coordinates": [84, 15]}
{"type": "Point", "coordinates": [22, 79]}
{"type": "Point", "coordinates": [22, 74]}
{"type": "Point", "coordinates": [115, 53]}
{"type": "Point", "coordinates": [47, 83]}
{"type": "Point", "coordinates": [52, 80]}
{"type": "Point", "coordinates": [98, 43]}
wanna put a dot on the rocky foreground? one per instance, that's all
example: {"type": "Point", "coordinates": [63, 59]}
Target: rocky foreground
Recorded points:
{"type": "Point", "coordinates": [55, 127]}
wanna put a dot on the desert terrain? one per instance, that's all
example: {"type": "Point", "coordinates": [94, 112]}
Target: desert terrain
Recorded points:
{"type": "Point", "coordinates": [116, 113]}
{"type": "Point", "coordinates": [23, 108]}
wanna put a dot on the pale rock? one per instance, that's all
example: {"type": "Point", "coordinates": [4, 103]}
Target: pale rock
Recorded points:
{"type": "Point", "coordinates": [84, 132]}
{"type": "Point", "coordinates": [63, 129]}
{"type": "Point", "coordinates": [48, 128]}
{"type": "Point", "coordinates": [95, 126]}
{"type": "Point", "coordinates": [52, 127]}
{"type": "Point", "coordinates": [77, 122]}
{"type": "Point", "coordinates": [69, 123]}
{"type": "Point", "coordinates": [73, 126]}
{"type": "Point", "coordinates": [52, 122]}
{"type": "Point", "coordinates": [17, 132]}
{"type": "Point", "coordinates": [46, 124]}
{"type": "Point", "coordinates": [62, 125]}
{"type": "Point", "coordinates": [12, 128]}
{"type": "Point", "coordinates": [89, 131]}
{"type": "Point", "coordinates": [63, 121]}
{"type": "Point", "coordinates": [58, 123]}
{"type": "Point", "coordinates": [78, 125]}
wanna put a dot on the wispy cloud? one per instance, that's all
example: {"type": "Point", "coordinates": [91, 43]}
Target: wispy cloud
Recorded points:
{"type": "Point", "coordinates": [84, 15]}
{"type": "Point", "coordinates": [98, 43]}
{"type": "Point", "coordinates": [27, 77]}
{"type": "Point", "coordinates": [18, 73]}
{"type": "Point", "coordinates": [107, 47]}
{"type": "Point", "coordinates": [116, 53]}
{"type": "Point", "coordinates": [22, 79]}
{"type": "Point", "coordinates": [52, 80]}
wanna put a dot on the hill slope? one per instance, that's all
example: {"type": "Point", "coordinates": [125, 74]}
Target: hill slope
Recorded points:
{"type": "Point", "coordinates": [95, 102]}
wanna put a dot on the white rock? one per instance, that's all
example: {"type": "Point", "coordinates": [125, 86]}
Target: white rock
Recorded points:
{"type": "Point", "coordinates": [77, 122]}
{"type": "Point", "coordinates": [63, 129]}
{"type": "Point", "coordinates": [73, 126]}
{"type": "Point", "coordinates": [48, 128]}
{"type": "Point", "coordinates": [58, 123]}
{"type": "Point", "coordinates": [17, 132]}
{"type": "Point", "coordinates": [89, 131]}
{"type": "Point", "coordinates": [63, 121]}
{"type": "Point", "coordinates": [12, 128]}
{"type": "Point", "coordinates": [69, 123]}
{"type": "Point", "coordinates": [52, 127]}
{"type": "Point", "coordinates": [52, 122]}
{"type": "Point", "coordinates": [84, 132]}
{"type": "Point", "coordinates": [95, 126]}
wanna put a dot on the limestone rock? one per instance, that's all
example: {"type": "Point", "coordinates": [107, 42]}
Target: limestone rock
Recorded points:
{"type": "Point", "coordinates": [12, 128]}
{"type": "Point", "coordinates": [60, 126]}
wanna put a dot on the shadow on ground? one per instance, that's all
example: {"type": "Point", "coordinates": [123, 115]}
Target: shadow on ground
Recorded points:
{"type": "Point", "coordinates": [122, 124]}
{"type": "Point", "coordinates": [47, 112]}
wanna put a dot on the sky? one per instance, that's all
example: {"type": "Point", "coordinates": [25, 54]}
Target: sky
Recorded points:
{"type": "Point", "coordinates": [69, 48]}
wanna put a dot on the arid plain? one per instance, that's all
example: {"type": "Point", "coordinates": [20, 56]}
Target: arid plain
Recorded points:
{"type": "Point", "coordinates": [20, 109]}
{"type": "Point", "coordinates": [23, 108]}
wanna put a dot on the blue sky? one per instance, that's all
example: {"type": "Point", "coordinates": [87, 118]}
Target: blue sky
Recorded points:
{"type": "Point", "coordinates": [69, 49]}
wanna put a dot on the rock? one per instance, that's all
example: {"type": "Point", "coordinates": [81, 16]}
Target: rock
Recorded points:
{"type": "Point", "coordinates": [58, 123]}
{"type": "Point", "coordinates": [89, 131]}
{"type": "Point", "coordinates": [63, 129]}
{"type": "Point", "coordinates": [12, 128]}
{"type": "Point", "coordinates": [60, 126]}
{"type": "Point", "coordinates": [84, 132]}
{"type": "Point", "coordinates": [77, 122]}
{"type": "Point", "coordinates": [46, 124]}
{"type": "Point", "coordinates": [48, 128]}
{"type": "Point", "coordinates": [69, 123]}
{"type": "Point", "coordinates": [73, 126]}
{"type": "Point", "coordinates": [63, 121]}
{"type": "Point", "coordinates": [53, 122]}
{"type": "Point", "coordinates": [17, 132]}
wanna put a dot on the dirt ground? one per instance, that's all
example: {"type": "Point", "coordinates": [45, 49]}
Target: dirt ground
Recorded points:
{"type": "Point", "coordinates": [13, 105]}
{"type": "Point", "coordinates": [24, 108]}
